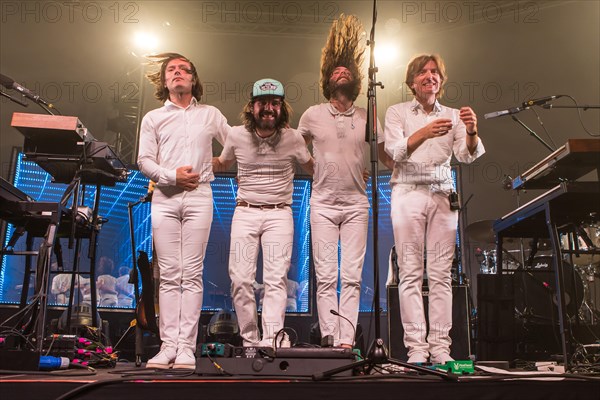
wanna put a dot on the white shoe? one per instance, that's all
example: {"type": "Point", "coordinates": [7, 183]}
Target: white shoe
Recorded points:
{"type": "Point", "coordinates": [164, 359]}
{"type": "Point", "coordinates": [185, 359]}
{"type": "Point", "coordinates": [418, 358]}
{"type": "Point", "coordinates": [441, 358]}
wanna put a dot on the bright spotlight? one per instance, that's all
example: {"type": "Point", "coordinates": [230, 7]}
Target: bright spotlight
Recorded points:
{"type": "Point", "coordinates": [386, 53]}
{"type": "Point", "coordinates": [145, 41]}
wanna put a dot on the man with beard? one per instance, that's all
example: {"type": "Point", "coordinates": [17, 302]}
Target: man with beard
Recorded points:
{"type": "Point", "coordinates": [421, 135]}
{"type": "Point", "coordinates": [339, 205]}
{"type": "Point", "coordinates": [176, 153]}
{"type": "Point", "coordinates": [265, 151]}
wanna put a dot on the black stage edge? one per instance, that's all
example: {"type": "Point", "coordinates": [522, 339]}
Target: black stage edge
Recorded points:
{"type": "Point", "coordinates": [110, 384]}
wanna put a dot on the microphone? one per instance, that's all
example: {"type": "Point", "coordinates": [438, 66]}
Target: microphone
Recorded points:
{"type": "Point", "coordinates": [11, 84]}
{"type": "Point", "coordinates": [337, 314]}
{"type": "Point", "coordinates": [525, 105]}
{"type": "Point", "coordinates": [510, 111]}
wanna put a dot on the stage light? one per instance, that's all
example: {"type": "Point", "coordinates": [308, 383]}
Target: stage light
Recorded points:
{"type": "Point", "coordinates": [145, 41]}
{"type": "Point", "coordinates": [386, 53]}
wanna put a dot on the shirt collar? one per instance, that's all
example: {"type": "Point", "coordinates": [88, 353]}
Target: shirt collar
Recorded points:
{"type": "Point", "coordinates": [335, 112]}
{"type": "Point", "coordinates": [170, 104]}
{"type": "Point", "coordinates": [416, 106]}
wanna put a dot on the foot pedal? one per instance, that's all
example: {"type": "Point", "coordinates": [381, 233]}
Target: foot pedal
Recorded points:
{"type": "Point", "coordinates": [215, 350]}
{"type": "Point", "coordinates": [458, 367]}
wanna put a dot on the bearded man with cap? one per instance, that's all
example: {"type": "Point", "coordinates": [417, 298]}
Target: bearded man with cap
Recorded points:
{"type": "Point", "coordinates": [176, 153]}
{"type": "Point", "coordinates": [339, 210]}
{"type": "Point", "coordinates": [266, 151]}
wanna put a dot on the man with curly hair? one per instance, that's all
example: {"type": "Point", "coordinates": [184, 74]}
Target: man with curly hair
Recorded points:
{"type": "Point", "coordinates": [266, 151]}
{"type": "Point", "coordinates": [176, 153]}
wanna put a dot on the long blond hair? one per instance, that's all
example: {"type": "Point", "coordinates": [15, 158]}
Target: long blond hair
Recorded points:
{"type": "Point", "coordinates": [343, 49]}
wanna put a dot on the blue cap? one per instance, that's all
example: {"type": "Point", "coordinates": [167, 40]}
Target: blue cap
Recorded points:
{"type": "Point", "coordinates": [267, 87]}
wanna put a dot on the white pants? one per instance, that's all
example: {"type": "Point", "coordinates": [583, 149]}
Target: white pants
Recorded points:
{"type": "Point", "coordinates": [422, 221]}
{"type": "Point", "coordinates": [273, 230]}
{"type": "Point", "coordinates": [328, 227]}
{"type": "Point", "coordinates": [181, 225]}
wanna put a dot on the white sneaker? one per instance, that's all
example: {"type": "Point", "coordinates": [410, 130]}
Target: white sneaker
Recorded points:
{"type": "Point", "coordinates": [441, 358]}
{"type": "Point", "coordinates": [164, 359]}
{"type": "Point", "coordinates": [185, 358]}
{"type": "Point", "coordinates": [419, 357]}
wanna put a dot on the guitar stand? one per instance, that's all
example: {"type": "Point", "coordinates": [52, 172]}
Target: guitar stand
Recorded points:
{"type": "Point", "coordinates": [139, 331]}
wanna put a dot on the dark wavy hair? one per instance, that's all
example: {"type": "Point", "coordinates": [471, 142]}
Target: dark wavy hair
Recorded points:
{"type": "Point", "coordinates": [247, 116]}
{"type": "Point", "coordinates": [416, 65]}
{"type": "Point", "coordinates": [158, 78]}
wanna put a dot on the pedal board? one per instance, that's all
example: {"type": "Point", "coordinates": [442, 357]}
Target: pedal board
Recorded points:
{"type": "Point", "coordinates": [264, 361]}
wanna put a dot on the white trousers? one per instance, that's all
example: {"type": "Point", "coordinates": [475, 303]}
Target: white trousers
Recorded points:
{"type": "Point", "coordinates": [330, 226]}
{"type": "Point", "coordinates": [273, 230]}
{"type": "Point", "coordinates": [423, 222]}
{"type": "Point", "coordinates": [181, 226]}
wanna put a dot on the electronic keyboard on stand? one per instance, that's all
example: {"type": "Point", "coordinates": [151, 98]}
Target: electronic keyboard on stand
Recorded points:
{"type": "Point", "coordinates": [567, 204]}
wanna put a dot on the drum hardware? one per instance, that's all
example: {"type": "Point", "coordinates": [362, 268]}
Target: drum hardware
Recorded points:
{"type": "Point", "coordinates": [488, 261]}
{"type": "Point", "coordinates": [582, 242]}
{"type": "Point", "coordinates": [482, 231]}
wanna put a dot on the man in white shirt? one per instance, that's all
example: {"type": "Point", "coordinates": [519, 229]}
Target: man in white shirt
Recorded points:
{"type": "Point", "coordinates": [176, 153]}
{"type": "Point", "coordinates": [266, 152]}
{"type": "Point", "coordinates": [339, 207]}
{"type": "Point", "coordinates": [421, 136]}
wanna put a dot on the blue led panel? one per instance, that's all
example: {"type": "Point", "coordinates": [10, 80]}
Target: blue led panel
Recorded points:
{"type": "Point", "coordinates": [114, 239]}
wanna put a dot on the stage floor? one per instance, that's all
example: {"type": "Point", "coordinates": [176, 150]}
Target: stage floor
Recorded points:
{"type": "Point", "coordinates": [128, 382]}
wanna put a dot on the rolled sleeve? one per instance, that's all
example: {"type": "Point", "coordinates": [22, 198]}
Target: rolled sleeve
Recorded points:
{"type": "Point", "coordinates": [396, 144]}
{"type": "Point", "coordinates": [461, 151]}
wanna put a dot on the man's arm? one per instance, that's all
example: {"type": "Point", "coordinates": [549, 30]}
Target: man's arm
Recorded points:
{"type": "Point", "coordinates": [469, 118]}
{"type": "Point", "coordinates": [384, 157]}
{"type": "Point", "coordinates": [221, 165]}
{"type": "Point", "coordinates": [309, 167]}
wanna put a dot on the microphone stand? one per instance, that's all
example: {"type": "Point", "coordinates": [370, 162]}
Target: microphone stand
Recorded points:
{"type": "Point", "coordinates": [377, 353]}
{"type": "Point", "coordinates": [139, 334]}
{"type": "Point", "coordinates": [532, 133]}
{"type": "Point", "coordinates": [14, 99]}
{"type": "Point", "coordinates": [584, 107]}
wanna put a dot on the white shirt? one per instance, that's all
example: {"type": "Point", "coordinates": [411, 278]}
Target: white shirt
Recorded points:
{"type": "Point", "coordinates": [429, 164]}
{"type": "Point", "coordinates": [265, 175]}
{"type": "Point", "coordinates": [172, 137]}
{"type": "Point", "coordinates": [340, 150]}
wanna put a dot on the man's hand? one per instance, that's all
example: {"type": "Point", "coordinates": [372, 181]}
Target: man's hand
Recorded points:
{"type": "Point", "coordinates": [468, 116]}
{"type": "Point", "coordinates": [186, 179]}
{"type": "Point", "coordinates": [439, 127]}
{"type": "Point", "coordinates": [366, 175]}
